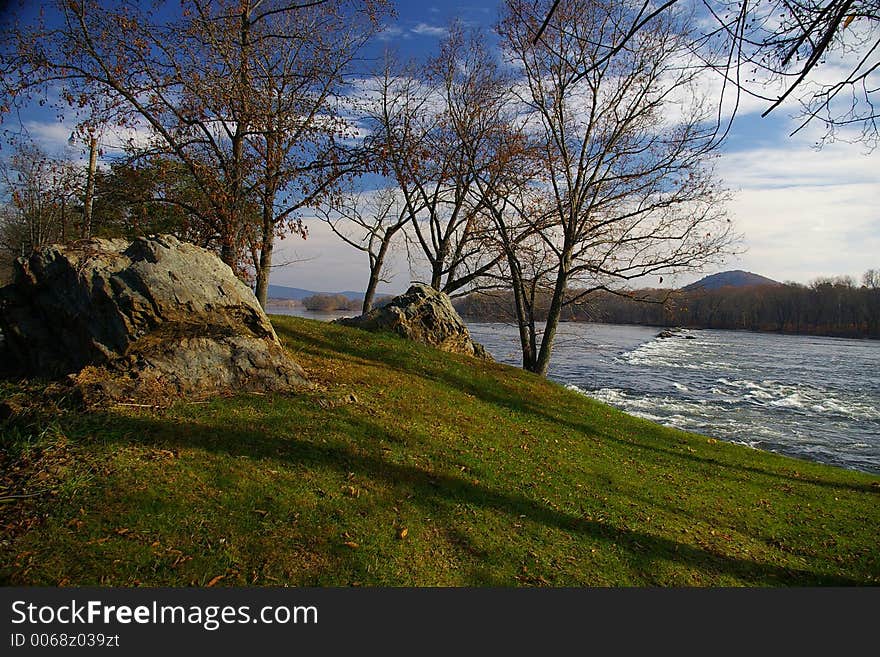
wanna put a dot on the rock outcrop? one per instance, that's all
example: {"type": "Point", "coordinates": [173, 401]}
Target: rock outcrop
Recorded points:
{"type": "Point", "coordinates": [422, 314]}
{"type": "Point", "coordinates": [676, 332]}
{"type": "Point", "coordinates": [140, 319]}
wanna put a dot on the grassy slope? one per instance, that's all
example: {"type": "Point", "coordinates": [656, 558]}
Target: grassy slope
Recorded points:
{"type": "Point", "coordinates": [498, 477]}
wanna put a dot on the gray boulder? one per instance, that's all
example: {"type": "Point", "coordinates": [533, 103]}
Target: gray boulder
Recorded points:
{"type": "Point", "coordinates": [422, 314]}
{"type": "Point", "coordinates": [140, 319]}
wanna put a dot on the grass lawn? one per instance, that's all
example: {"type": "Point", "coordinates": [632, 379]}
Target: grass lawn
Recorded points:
{"type": "Point", "coordinates": [407, 466]}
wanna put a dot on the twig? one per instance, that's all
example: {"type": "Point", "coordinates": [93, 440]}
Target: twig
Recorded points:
{"type": "Point", "coordinates": [20, 496]}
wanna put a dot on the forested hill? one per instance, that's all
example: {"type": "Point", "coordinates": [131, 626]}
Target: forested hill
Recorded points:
{"type": "Point", "coordinates": [734, 278]}
{"type": "Point", "coordinates": [833, 307]}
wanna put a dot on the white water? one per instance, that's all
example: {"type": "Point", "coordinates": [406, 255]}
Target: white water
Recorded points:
{"type": "Point", "coordinates": [809, 397]}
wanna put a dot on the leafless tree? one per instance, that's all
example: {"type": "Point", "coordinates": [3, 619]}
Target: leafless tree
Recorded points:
{"type": "Point", "coordinates": [823, 55]}
{"type": "Point", "coordinates": [627, 189]}
{"type": "Point", "coordinates": [367, 221]}
{"type": "Point", "coordinates": [243, 92]}
{"type": "Point", "coordinates": [423, 127]}
{"type": "Point", "coordinates": [303, 130]}
{"type": "Point", "coordinates": [42, 198]}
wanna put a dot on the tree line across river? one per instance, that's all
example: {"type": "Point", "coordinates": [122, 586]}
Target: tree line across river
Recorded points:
{"type": "Point", "coordinates": [838, 307]}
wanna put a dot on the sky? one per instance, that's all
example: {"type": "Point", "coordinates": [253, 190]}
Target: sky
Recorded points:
{"type": "Point", "coordinates": [802, 212]}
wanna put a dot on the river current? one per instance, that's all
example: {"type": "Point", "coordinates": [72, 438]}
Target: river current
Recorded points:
{"type": "Point", "coordinates": [809, 397]}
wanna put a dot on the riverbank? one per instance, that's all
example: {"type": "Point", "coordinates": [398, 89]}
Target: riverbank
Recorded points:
{"type": "Point", "coordinates": [407, 466]}
{"type": "Point", "coordinates": [817, 398]}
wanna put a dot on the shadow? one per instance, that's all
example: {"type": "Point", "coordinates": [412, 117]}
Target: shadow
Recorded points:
{"type": "Point", "coordinates": [486, 382]}
{"type": "Point", "coordinates": [427, 487]}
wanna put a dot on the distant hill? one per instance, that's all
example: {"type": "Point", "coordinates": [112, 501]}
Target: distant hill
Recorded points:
{"type": "Point", "coordinates": [735, 278]}
{"type": "Point", "coordinates": [297, 293]}
{"type": "Point", "coordinates": [284, 292]}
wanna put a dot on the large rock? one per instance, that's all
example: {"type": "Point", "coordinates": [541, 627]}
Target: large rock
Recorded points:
{"type": "Point", "coordinates": [422, 314]}
{"type": "Point", "coordinates": [140, 319]}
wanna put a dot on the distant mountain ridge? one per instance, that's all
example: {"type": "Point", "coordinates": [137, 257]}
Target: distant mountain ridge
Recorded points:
{"type": "Point", "coordinates": [298, 294]}
{"type": "Point", "coordinates": [734, 278]}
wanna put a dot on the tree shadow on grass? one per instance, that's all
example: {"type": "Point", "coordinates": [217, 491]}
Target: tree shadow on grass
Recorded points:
{"type": "Point", "coordinates": [515, 402]}
{"type": "Point", "coordinates": [486, 383]}
{"type": "Point", "coordinates": [428, 487]}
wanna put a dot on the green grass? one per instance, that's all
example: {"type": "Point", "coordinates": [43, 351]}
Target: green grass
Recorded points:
{"type": "Point", "coordinates": [499, 478]}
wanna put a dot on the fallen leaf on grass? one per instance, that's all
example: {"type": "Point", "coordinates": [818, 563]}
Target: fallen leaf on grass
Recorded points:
{"type": "Point", "coordinates": [215, 580]}
{"type": "Point", "coordinates": [402, 534]}
{"type": "Point", "coordinates": [351, 544]}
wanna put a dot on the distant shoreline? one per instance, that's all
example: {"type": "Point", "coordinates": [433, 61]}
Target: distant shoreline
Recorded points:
{"type": "Point", "coordinates": [293, 303]}
{"type": "Point", "coordinates": [283, 303]}
{"type": "Point", "coordinates": [661, 327]}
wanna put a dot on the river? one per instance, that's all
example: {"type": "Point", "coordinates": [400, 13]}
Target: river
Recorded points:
{"type": "Point", "coordinates": [810, 397]}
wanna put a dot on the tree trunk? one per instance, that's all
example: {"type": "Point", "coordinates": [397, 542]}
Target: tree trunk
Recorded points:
{"type": "Point", "coordinates": [90, 188]}
{"type": "Point", "coordinates": [553, 314]}
{"type": "Point", "coordinates": [371, 291]}
{"type": "Point", "coordinates": [228, 252]}
{"type": "Point", "coordinates": [376, 272]}
{"type": "Point", "coordinates": [437, 275]}
{"type": "Point", "coordinates": [63, 219]}
{"type": "Point", "coordinates": [264, 267]}
{"type": "Point", "coordinates": [526, 340]}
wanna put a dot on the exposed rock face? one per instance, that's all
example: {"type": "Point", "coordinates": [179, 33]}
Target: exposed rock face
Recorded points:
{"type": "Point", "coordinates": [422, 314]}
{"type": "Point", "coordinates": [155, 316]}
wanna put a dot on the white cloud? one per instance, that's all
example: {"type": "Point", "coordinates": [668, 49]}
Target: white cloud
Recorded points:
{"type": "Point", "coordinates": [55, 137]}
{"type": "Point", "coordinates": [805, 213]}
{"type": "Point", "coordinates": [51, 136]}
{"type": "Point", "coordinates": [327, 264]}
{"type": "Point", "coordinates": [794, 164]}
{"type": "Point", "coordinates": [424, 29]}
{"type": "Point", "coordinates": [392, 32]}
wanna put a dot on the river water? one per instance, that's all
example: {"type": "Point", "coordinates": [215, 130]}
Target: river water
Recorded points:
{"type": "Point", "coordinates": [810, 397]}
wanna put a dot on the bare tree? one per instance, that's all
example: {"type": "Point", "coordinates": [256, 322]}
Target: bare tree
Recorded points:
{"type": "Point", "coordinates": [422, 126]}
{"type": "Point", "coordinates": [628, 189]}
{"type": "Point", "coordinates": [242, 92]}
{"type": "Point", "coordinates": [41, 199]}
{"type": "Point", "coordinates": [367, 222]}
{"type": "Point", "coordinates": [789, 44]}
{"type": "Point", "coordinates": [303, 129]}
{"type": "Point", "coordinates": [822, 54]}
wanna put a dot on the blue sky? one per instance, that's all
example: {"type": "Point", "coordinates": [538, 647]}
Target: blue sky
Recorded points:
{"type": "Point", "coordinates": [803, 212]}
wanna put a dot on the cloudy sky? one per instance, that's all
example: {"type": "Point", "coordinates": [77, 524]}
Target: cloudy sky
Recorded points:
{"type": "Point", "coordinates": [803, 212]}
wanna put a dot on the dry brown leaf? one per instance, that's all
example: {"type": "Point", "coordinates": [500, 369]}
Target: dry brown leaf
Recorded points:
{"type": "Point", "coordinates": [215, 580]}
